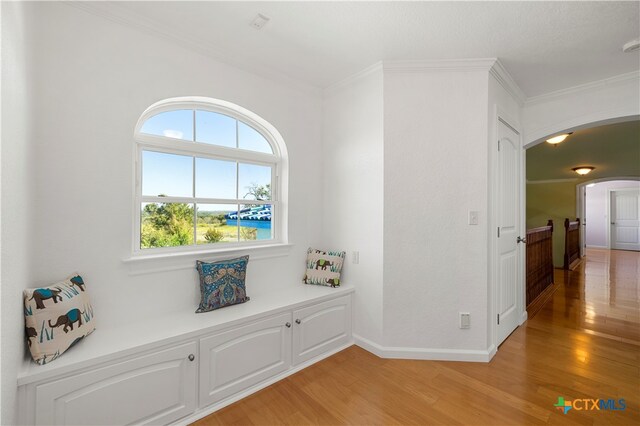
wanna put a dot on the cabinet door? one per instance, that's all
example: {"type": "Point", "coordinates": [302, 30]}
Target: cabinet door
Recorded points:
{"type": "Point", "coordinates": [152, 389]}
{"type": "Point", "coordinates": [235, 360]}
{"type": "Point", "coordinates": [321, 328]}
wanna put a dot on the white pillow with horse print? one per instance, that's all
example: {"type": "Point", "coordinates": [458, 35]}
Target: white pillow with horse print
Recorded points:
{"type": "Point", "coordinates": [56, 317]}
{"type": "Point", "coordinates": [324, 267]}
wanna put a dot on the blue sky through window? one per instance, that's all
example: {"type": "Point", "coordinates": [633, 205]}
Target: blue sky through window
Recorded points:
{"type": "Point", "coordinates": [217, 129]}
{"type": "Point", "coordinates": [215, 178]}
{"type": "Point", "coordinates": [173, 175]}
{"type": "Point", "coordinates": [249, 138]}
{"type": "Point", "coordinates": [167, 174]}
{"type": "Point", "coordinates": [176, 124]}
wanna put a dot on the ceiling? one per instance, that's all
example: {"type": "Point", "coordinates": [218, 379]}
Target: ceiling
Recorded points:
{"type": "Point", "coordinates": [614, 151]}
{"type": "Point", "coordinates": [545, 46]}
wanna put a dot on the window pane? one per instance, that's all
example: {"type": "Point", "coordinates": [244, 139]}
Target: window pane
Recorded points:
{"type": "Point", "coordinates": [255, 222]}
{"type": "Point", "coordinates": [217, 223]}
{"type": "Point", "coordinates": [176, 124]}
{"type": "Point", "coordinates": [167, 174]}
{"type": "Point", "coordinates": [166, 225]}
{"type": "Point", "coordinates": [254, 182]}
{"type": "Point", "coordinates": [249, 138]}
{"type": "Point", "coordinates": [215, 178]}
{"type": "Point", "coordinates": [216, 129]}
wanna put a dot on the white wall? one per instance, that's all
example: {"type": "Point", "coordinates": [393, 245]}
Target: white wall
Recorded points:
{"type": "Point", "coordinates": [597, 210]}
{"type": "Point", "coordinates": [353, 191]}
{"type": "Point", "coordinates": [583, 106]}
{"type": "Point", "coordinates": [436, 170]}
{"type": "Point", "coordinates": [70, 187]}
{"type": "Point", "coordinates": [18, 208]}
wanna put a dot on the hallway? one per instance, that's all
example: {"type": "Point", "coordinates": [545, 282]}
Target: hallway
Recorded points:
{"type": "Point", "coordinates": [584, 343]}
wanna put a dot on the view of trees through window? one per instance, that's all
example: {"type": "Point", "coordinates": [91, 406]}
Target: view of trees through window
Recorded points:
{"type": "Point", "coordinates": [172, 224]}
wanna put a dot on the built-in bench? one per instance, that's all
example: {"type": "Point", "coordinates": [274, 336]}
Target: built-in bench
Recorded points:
{"type": "Point", "coordinates": [184, 366]}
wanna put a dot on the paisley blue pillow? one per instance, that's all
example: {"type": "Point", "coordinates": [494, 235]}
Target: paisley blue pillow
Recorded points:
{"type": "Point", "coordinates": [222, 283]}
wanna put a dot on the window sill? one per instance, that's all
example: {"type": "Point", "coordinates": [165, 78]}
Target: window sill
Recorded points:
{"type": "Point", "coordinates": [161, 262]}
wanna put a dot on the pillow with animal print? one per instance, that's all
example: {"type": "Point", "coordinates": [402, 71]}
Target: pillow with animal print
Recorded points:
{"type": "Point", "coordinates": [56, 317]}
{"type": "Point", "coordinates": [324, 267]}
{"type": "Point", "coordinates": [222, 283]}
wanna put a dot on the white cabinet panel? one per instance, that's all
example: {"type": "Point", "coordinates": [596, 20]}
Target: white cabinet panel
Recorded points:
{"type": "Point", "coordinates": [152, 389]}
{"type": "Point", "coordinates": [321, 328]}
{"type": "Point", "coordinates": [240, 358]}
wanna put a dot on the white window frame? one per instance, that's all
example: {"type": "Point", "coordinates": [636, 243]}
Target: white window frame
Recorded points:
{"type": "Point", "coordinates": [277, 161]}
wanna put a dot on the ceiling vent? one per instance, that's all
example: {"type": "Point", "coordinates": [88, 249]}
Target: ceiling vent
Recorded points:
{"type": "Point", "coordinates": [259, 21]}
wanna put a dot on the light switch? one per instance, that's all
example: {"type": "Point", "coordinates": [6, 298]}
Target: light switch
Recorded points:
{"type": "Point", "coordinates": [473, 217]}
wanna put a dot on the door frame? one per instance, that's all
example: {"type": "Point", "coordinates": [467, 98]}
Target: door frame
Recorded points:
{"type": "Point", "coordinates": [492, 324]}
{"type": "Point", "coordinates": [610, 192]}
{"type": "Point", "coordinates": [581, 205]}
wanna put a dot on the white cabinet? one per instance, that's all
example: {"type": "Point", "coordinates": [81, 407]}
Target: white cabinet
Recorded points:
{"type": "Point", "coordinates": [320, 328]}
{"type": "Point", "coordinates": [244, 356]}
{"type": "Point", "coordinates": [152, 389]}
{"type": "Point", "coordinates": [191, 372]}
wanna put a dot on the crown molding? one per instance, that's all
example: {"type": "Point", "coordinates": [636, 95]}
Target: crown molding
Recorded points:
{"type": "Point", "coordinates": [587, 87]}
{"type": "Point", "coordinates": [537, 182]}
{"type": "Point", "coordinates": [353, 78]}
{"type": "Point", "coordinates": [418, 66]}
{"type": "Point", "coordinates": [119, 14]}
{"type": "Point", "coordinates": [500, 73]}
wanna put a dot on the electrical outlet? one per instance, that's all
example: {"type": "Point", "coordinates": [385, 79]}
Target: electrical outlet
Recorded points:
{"type": "Point", "coordinates": [355, 257]}
{"type": "Point", "coordinates": [465, 320]}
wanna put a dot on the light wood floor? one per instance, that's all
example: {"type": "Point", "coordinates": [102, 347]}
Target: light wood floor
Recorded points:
{"type": "Point", "coordinates": [584, 343]}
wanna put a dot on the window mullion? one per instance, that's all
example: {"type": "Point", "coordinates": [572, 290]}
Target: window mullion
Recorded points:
{"type": "Point", "coordinates": [238, 197]}
{"type": "Point", "coordinates": [193, 193]}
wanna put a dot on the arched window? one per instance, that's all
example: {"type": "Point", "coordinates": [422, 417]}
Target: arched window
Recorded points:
{"type": "Point", "coordinates": [208, 176]}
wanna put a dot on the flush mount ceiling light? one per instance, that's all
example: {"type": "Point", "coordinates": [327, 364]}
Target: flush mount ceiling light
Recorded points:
{"type": "Point", "coordinates": [558, 138]}
{"type": "Point", "coordinates": [631, 46]}
{"type": "Point", "coordinates": [583, 170]}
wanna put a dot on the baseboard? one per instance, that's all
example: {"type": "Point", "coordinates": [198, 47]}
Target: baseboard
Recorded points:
{"type": "Point", "coordinates": [237, 397]}
{"type": "Point", "coordinates": [429, 354]}
{"type": "Point", "coordinates": [598, 247]}
{"type": "Point", "coordinates": [524, 318]}
{"type": "Point", "coordinates": [537, 303]}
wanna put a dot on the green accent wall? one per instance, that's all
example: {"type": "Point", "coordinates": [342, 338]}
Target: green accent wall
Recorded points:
{"type": "Point", "coordinates": [556, 201]}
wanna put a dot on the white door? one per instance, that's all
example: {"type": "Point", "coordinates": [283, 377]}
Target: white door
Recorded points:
{"type": "Point", "coordinates": [625, 219]}
{"type": "Point", "coordinates": [159, 388]}
{"type": "Point", "coordinates": [509, 251]}
{"type": "Point", "coordinates": [237, 359]}
{"type": "Point", "coordinates": [321, 328]}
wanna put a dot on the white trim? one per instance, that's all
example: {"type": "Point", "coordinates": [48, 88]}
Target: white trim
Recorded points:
{"type": "Point", "coordinates": [253, 389]}
{"type": "Point", "coordinates": [484, 64]}
{"type": "Point", "coordinates": [538, 182]}
{"type": "Point", "coordinates": [582, 88]}
{"type": "Point", "coordinates": [119, 14]}
{"type": "Point", "coordinates": [610, 192]}
{"type": "Point", "coordinates": [581, 205]}
{"type": "Point", "coordinates": [353, 78]}
{"type": "Point", "coordinates": [163, 262]}
{"type": "Point", "coordinates": [430, 354]}
{"type": "Point", "coordinates": [507, 82]}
